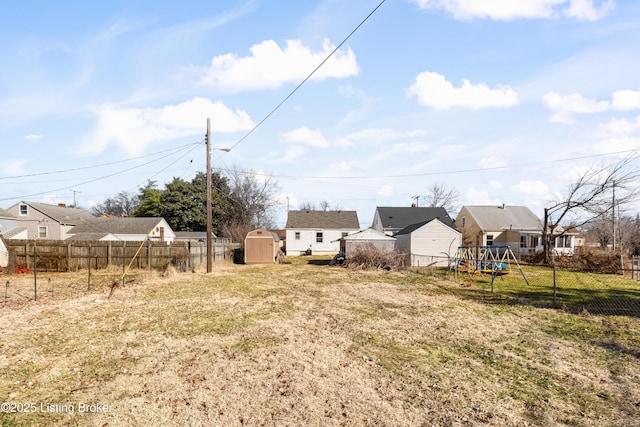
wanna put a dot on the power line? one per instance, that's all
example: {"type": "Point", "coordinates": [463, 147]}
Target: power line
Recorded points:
{"type": "Point", "coordinates": [98, 165]}
{"type": "Point", "coordinates": [104, 176]}
{"type": "Point", "coordinates": [286, 98]}
{"type": "Point", "coordinates": [451, 172]}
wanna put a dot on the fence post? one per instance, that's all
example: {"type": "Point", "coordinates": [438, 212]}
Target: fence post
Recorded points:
{"type": "Point", "coordinates": [555, 302]}
{"type": "Point", "coordinates": [35, 274]}
{"type": "Point", "coordinates": [124, 260]}
{"type": "Point", "coordinates": [149, 254]}
{"type": "Point", "coordinates": [89, 269]}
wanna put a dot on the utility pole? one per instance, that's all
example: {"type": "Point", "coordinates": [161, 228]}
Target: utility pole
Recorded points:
{"type": "Point", "coordinates": [75, 205]}
{"type": "Point", "coordinates": [417, 198]}
{"type": "Point", "coordinates": [209, 214]}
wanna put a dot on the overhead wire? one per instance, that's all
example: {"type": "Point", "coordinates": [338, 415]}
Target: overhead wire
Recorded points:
{"type": "Point", "coordinates": [174, 151]}
{"type": "Point", "coordinates": [286, 98]}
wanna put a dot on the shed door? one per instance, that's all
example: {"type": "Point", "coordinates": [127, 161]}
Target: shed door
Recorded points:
{"type": "Point", "coordinates": [259, 250]}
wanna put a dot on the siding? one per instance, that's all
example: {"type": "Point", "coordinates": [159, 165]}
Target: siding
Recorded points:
{"type": "Point", "coordinates": [430, 243]}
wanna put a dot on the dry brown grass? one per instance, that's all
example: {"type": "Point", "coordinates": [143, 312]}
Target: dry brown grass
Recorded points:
{"type": "Point", "coordinates": [312, 345]}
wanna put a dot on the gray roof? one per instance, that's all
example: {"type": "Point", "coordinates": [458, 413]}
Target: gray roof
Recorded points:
{"type": "Point", "coordinates": [192, 235]}
{"type": "Point", "coordinates": [401, 217]}
{"type": "Point", "coordinates": [413, 227]}
{"type": "Point", "coordinates": [9, 234]}
{"type": "Point", "coordinates": [62, 214]}
{"type": "Point", "coordinates": [5, 214]}
{"type": "Point", "coordinates": [136, 225]}
{"type": "Point", "coordinates": [327, 220]}
{"type": "Point", "coordinates": [495, 218]}
{"type": "Point", "coordinates": [90, 236]}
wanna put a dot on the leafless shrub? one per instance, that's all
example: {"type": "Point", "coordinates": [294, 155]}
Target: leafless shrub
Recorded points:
{"type": "Point", "coordinates": [369, 257]}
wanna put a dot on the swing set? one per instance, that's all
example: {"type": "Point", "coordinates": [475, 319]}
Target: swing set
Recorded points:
{"type": "Point", "coordinates": [486, 260]}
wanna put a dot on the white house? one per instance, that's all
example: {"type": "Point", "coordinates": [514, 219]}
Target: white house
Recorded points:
{"type": "Point", "coordinates": [130, 229]}
{"type": "Point", "coordinates": [318, 231]}
{"type": "Point", "coordinates": [428, 243]}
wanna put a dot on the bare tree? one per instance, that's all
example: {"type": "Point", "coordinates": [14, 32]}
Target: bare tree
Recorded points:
{"type": "Point", "coordinates": [253, 199]}
{"type": "Point", "coordinates": [590, 198]}
{"type": "Point", "coordinates": [442, 196]}
{"type": "Point", "coordinates": [122, 205]}
{"type": "Point", "coordinates": [307, 206]}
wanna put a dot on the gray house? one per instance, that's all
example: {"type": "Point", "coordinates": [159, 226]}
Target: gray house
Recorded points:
{"type": "Point", "coordinates": [390, 220]}
{"type": "Point", "coordinates": [44, 221]}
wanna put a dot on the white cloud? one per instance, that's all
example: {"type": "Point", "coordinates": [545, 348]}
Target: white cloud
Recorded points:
{"type": "Point", "coordinates": [493, 162]}
{"type": "Point", "coordinates": [381, 135]}
{"type": "Point", "coordinates": [519, 9]}
{"type": "Point", "coordinates": [433, 90]}
{"type": "Point", "coordinates": [565, 107]}
{"type": "Point", "coordinates": [625, 100]}
{"type": "Point", "coordinates": [33, 137]}
{"type": "Point", "coordinates": [480, 197]}
{"type": "Point", "coordinates": [386, 190]}
{"type": "Point", "coordinates": [496, 184]}
{"type": "Point", "coordinates": [311, 138]}
{"type": "Point", "coordinates": [134, 129]}
{"type": "Point", "coordinates": [585, 10]}
{"type": "Point", "coordinates": [291, 154]}
{"type": "Point", "coordinates": [13, 166]}
{"type": "Point", "coordinates": [613, 145]}
{"type": "Point", "coordinates": [532, 188]}
{"type": "Point", "coordinates": [269, 66]}
{"type": "Point", "coordinates": [619, 127]}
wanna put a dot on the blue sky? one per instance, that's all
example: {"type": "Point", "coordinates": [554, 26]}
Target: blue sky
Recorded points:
{"type": "Point", "coordinates": [504, 101]}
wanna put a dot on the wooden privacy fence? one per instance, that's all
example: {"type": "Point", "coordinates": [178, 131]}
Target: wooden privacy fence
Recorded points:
{"type": "Point", "coordinates": [60, 255]}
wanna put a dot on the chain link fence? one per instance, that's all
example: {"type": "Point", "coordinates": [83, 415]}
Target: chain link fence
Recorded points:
{"type": "Point", "coordinates": [599, 290]}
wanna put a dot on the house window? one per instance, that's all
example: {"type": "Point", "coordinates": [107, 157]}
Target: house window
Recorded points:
{"type": "Point", "coordinates": [345, 234]}
{"type": "Point", "coordinates": [42, 232]}
{"type": "Point", "coordinates": [489, 239]}
{"type": "Point", "coordinates": [464, 221]}
{"type": "Point", "coordinates": [297, 235]}
{"type": "Point", "coordinates": [23, 210]}
{"type": "Point", "coordinates": [319, 237]}
{"type": "Point", "coordinates": [563, 241]}
{"type": "Point", "coordinates": [523, 241]}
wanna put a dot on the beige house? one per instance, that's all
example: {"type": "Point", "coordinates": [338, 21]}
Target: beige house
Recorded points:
{"type": "Point", "coordinates": [513, 226]}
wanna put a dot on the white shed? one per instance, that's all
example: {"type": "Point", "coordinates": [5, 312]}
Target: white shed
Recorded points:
{"type": "Point", "coordinates": [378, 239]}
{"type": "Point", "coordinates": [428, 243]}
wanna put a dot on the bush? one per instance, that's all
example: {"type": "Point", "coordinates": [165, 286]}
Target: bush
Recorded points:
{"type": "Point", "coordinates": [369, 257]}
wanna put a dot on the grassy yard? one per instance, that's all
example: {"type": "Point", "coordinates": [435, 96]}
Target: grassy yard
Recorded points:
{"type": "Point", "coordinates": [308, 344]}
